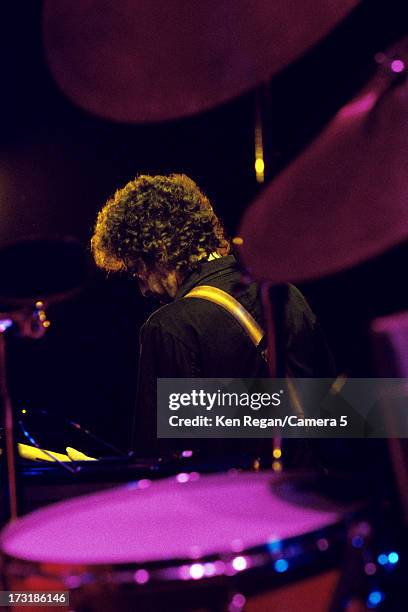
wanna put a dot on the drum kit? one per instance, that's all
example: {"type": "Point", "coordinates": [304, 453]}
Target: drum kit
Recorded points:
{"type": "Point", "coordinates": [173, 536]}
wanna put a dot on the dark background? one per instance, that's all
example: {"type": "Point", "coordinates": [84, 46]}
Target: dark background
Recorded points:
{"type": "Point", "coordinates": [59, 164]}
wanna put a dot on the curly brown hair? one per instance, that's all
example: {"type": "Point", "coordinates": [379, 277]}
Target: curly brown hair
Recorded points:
{"type": "Point", "coordinates": [163, 221]}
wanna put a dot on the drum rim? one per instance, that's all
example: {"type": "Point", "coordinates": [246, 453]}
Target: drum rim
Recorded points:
{"type": "Point", "coordinates": [316, 549]}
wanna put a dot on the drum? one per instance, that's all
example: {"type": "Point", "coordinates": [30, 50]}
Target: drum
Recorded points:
{"type": "Point", "coordinates": [253, 541]}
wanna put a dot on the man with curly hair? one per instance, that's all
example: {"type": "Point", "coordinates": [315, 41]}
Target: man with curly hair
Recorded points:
{"type": "Point", "coordinates": [163, 231]}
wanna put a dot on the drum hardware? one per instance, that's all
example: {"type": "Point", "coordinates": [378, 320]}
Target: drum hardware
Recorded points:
{"type": "Point", "coordinates": [202, 72]}
{"type": "Point", "coordinates": [202, 553]}
{"type": "Point", "coordinates": [7, 423]}
{"type": "Point", "coordinates": [176, 458]}
{"type": "Point", "coordinates": [340, 203]}
{"type": "Point", "coordinates": [98, 439]}
{"type": "Point", "coordinates": [351, 586]}
{"type": "Point", "coordinates": [51, 456]}
{"type": "Point", "coordinates": [357, 169]}
{"type": "Point", "coordinates": [73, 424]}
{"type": "Point", "coordinates": [373, 572]}
{"type": "Point", "coordinates": [390, 340]}
{"type": "Point", "coordinates": [54, 269]}
{"type": "Point", "coordinates": [31, 323]}
{"type": "Point", "coordinates": [32, 453]}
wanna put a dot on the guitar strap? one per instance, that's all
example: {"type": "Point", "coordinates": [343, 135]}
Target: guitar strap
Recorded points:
{"type": "Point", "coordinates": [231, 305]}
{"type": "Point", "coordinates": [247, 322]}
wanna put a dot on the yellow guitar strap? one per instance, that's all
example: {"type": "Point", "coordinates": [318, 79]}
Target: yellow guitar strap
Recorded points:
{"type": "Point", "coordinates": [229, 303]}
{"type": "Point", "coordinates": [247, 322]}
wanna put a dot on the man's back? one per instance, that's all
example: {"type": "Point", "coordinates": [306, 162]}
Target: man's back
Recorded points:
{"type": "Point", "coordinates": [197, 338]}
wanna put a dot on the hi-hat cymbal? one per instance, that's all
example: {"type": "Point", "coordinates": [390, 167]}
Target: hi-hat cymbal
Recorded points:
{"type": "Point", "coordinates": [345, 199]}
{"type": "Point", "coordinates": [152, 61]}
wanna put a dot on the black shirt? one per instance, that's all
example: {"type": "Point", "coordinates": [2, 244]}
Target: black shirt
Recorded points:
{"type": "Point", "coordinates": [196, 338]}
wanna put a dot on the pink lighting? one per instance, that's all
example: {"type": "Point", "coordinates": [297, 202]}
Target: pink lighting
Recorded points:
{"type": "Point", "coordinates": [141, 576]}
{"type": "Point", "coordinates": [370, 569]}
{"type": "Point", "coordinates": [210, 569]}
{"type": "Point", "coordinates": [361, 105]}
{"type": "Point", "coordinates": [183, 477]}
{"type": "Point", "coordinates": [144, 484]}
{"type": "Point", "coordinates": [73, 582]}
{"type": "Point", "coordinates": [219, 567]}
{"type": "Point", "coordinates": [237, 545]}
{"type": "Point", "coordinates": [380, 58]}
{"type": "Point", "coordinates": [5, 324]}
{"type": "Point", "coordinates": [184, 572]}
{"type": "Point", "coordinates": [195, 552]}
{"type": "Point", "coordinates": [237, 603]}
{"type": "Point", "coordinates": [239, 564]}
{"type": "Point", "coordinates": [197, 571]}
{"type": "Point", "coordinates": [322, 544]}
{"type": "Point", "coordinates": [397, 66]}
{"type": "Point", "coordinates": [187, 453]}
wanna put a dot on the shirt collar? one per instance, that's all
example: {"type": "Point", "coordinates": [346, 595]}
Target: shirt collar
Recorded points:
{"type": "Point", "coordinates": [206, 270]}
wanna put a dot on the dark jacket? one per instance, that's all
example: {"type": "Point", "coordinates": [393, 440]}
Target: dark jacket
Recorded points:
{"type": "Point", "coordinates": [197, 338]}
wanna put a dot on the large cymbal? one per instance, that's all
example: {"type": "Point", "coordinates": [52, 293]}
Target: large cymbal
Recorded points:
{"type": "Point", "coordinates": [130, 60]}
{"type": "Point", "coordinates": [345, 199]}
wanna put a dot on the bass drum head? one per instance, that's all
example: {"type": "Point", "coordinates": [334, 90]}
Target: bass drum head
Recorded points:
{"type": "Point", "coordinates": [191, 537]}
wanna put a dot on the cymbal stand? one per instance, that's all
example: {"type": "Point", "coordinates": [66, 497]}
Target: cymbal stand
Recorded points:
{"type": "Point", "coordinates": [32, 323]}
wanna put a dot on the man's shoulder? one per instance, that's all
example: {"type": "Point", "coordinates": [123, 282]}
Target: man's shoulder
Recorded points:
{"type": "Point", "coordinates": [177, 321]}
{"type": "Point", "coordinates": [167, 315]}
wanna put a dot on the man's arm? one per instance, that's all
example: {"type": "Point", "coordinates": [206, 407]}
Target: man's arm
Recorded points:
{"type": "Point", "coordinates": [308, 354]}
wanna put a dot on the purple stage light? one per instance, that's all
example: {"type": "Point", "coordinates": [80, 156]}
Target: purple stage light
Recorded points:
{"type": "Point", "coordinates": [397, 65]}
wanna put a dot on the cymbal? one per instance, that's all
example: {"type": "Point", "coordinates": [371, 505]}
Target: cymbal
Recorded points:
{"type": "Point", "coordinates": [153, 61]}
{"type": "Point", "coordinates": [345, 199]}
